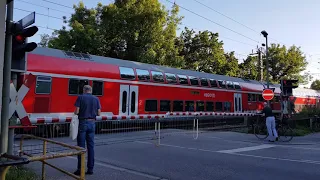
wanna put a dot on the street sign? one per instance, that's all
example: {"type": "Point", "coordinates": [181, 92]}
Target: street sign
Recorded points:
{"type": "Point", "coordinates": [267, 94]}
{"type": "Point", "coordinates": [16, 100]}
{"type": "Point", "coordinates": [27, 20]}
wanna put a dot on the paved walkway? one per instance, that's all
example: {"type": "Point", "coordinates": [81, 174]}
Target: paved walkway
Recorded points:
{"type": "Point", "coordinates": [214, 155]}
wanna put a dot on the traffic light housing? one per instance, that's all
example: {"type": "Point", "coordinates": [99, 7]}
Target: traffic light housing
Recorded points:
{"type": "Point", "coordinates": [20, 46]}
{"type": "Point", "coordinates": [287, 86]}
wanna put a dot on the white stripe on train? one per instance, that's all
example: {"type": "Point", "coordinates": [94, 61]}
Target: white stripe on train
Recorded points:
{"type": "Point", "coordinates": [66, 119]}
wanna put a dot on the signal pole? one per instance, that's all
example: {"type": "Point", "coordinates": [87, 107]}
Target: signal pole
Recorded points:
{"type": "Point", "coordinates": [3, 5]}
{"type": "Point", "coordinates": [265, 34]}
{"type": "Point", "coordinates": [260, 61]}
{"type": "Point", "coordinates": [6, 80]}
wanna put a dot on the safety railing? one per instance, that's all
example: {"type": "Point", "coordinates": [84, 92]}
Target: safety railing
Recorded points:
{"type": "Point", "coordinates": [8, 161]}
{"type": "Point", "coordinates": [45, 155]}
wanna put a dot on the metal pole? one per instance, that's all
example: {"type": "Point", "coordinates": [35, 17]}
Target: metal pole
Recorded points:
{"type": "Point", "coordinates": [2, 32]}
{"type": "Point", "coordinates": [260, 64]}
{"type": "Point", "coordinates": [14, 76]}
{"type": "Point", "coordinates": [6, 81]}
{"type": "Point", "coordinates": [267, 65]}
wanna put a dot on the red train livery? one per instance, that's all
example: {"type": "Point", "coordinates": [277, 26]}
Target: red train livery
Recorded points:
{"type": "Point", "coordinates": [133, 90]}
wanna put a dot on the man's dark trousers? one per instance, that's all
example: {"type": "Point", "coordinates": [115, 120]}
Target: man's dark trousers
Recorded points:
{"type": "Point", "coordinates": [86, 133]}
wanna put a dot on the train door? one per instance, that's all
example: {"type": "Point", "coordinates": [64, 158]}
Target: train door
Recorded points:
{"type": "Point", "coordinates": [128, 104]}
{"type": "Point", "coordinates": [237, 102]}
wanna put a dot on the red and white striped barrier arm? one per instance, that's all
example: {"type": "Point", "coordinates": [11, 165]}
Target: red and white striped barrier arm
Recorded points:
{"type": "Point", "coordinates": [67, 119]}
{"type": "Point", "coordinates": [63, 119]}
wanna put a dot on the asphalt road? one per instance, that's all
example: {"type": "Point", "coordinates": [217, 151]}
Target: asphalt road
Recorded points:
{"type": "Point", "coordinates": [214, 155]}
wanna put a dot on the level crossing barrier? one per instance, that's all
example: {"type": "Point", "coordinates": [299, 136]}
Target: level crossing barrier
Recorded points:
{"type": "Point", "coordinates": [125, 130]}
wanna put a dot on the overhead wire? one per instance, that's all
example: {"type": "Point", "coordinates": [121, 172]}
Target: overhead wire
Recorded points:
{"type": "Point", "coordinates": [39, 13]}
{"type": "Point", "coordinates": [43, 6]}
{"type": "Point", "coordinates": [212, 21]}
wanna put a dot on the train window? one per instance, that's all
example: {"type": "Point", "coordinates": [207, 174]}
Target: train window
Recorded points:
{"type": "Point", "coordinates": [213, 83]}
{"type": "Point", "coordinates": [219, 106]}
{"type": "Point", "coordinates": [97, 88]}
{"type": "Point", "coordinates": [127, 73]}
{"type": "Point", "coordinates": [261, 98]}
{"type": "Point", "coordinates": [236, 85]}
{"type": "Point", "coordinates": [227, 106]}
{"type": "Point", "coordinates": [200, 106]}
{"type": "Point", "coordinates": [222, 84]}
{"type": "Point", "coordinates": [143, 75]}
{"type": "Point", "coordinates": [183, 79]}
{"type": "Point", "coordinates": [43, 85]}
{"type": "Point", "coordinates": [251, 97]}
{"type": "Point", "coordinates": [76, 86]}
{"type": "Point", "coordinates": [151, 105]}
{"type": "Point", "coordinates": [230, 85]}
{"type": "Point", "coordinates": [171, 78]}
{"type": "Point", "coordinates": [133, 102]}
{"type": "Point", "coordinates": [204, 82]}
{"type": "Point", "coordinates": [209, 106]}
{"type": "Point", "coordinates": [124, 101]}
{"type": "Point", "coordinates": [194, 81]}
{"type": "Point", "coordinates": [189, 106]}
{"type": "Point", "coordinates": [157, 76]}
{"type": "Point", "coordinates": [165, 105]}
{"type": "Point", "coordinates": [177, 106]}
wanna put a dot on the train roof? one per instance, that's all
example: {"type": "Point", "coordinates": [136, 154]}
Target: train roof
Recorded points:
{"type": "Point", "coordinates": [126, 63]}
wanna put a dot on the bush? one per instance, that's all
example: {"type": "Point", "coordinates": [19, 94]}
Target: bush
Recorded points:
{"type": "Point", "coordinates": [20, 173]}
{"type": "Point", "coordinates": [310, 111]}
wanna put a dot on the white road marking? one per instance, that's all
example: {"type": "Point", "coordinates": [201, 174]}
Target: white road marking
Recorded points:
{"type": "Point", "coordinates": [280, 159]}
{"type": "Point", "coordinates": [252, 148]}
{"type": "Point", "coordinates": [232, 152]}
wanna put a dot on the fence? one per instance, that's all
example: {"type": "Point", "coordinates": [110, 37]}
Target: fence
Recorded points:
{"type": "Point", "coordinates": [123, 130]}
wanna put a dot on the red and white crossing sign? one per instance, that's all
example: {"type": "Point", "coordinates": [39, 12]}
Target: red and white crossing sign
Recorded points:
{"type": "Point", "coordinates": [267, 94]}
{"type": "Point", "coordinates": [16, 100]}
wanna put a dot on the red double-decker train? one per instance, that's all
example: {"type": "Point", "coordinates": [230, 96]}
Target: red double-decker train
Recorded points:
{"type": "Point", "coordinates": [133, 90]}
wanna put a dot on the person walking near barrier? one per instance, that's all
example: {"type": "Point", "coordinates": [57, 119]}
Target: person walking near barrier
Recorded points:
{"type": "Point", "coordinates": [87, 108]}
{"type": "Point", "coordinates": [270, 122]}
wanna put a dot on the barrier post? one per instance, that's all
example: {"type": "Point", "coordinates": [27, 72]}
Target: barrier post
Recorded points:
{"type": "Point", "coordinates": [159, 134]}
{"type": "Point", "coordinates": [195, 126]}
{"type": "Point", "coordinates": [43, 162]}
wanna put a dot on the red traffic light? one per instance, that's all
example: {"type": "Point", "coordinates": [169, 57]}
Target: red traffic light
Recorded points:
{"type": "Point", "coordinates": [284, 82]}
{"type": "Point", "coordinates": [19, 38]}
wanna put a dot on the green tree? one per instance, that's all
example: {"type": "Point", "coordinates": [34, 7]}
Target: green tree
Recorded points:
{"type": "Point", "coordinates": [286, 63]}
{"type": "Point", "coordinates": [232, 67]}
{"type": "Point", "coordinates": [44, 42]}
{"type": "Point", "coordinates": [249, 68]}
{"type": "Point", "coordinates": [136, 30]}
{"type": "Point", "coordinates": [202, 51]}
{"type": "Point", "coordinates": [315, 85]}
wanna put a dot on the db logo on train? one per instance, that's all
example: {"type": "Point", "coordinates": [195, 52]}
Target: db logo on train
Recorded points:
{"type": "Point", "coordinates": [212, 95]}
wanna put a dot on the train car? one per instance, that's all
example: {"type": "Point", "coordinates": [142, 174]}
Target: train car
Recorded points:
{"type": "Point", "coordinates": [133, 90]}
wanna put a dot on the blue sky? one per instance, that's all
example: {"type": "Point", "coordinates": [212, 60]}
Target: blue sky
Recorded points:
{"type": "Point", "coordinates": [287, 21]}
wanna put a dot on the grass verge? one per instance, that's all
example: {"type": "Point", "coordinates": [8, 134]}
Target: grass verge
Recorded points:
{"type": "Point", "coordinates": [20, 173]}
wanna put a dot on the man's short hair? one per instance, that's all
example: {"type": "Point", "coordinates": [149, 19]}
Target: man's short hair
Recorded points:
{"type": "Point", "coordinates": [87, 88]}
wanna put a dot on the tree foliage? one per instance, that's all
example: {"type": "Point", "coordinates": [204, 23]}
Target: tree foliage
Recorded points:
{"type": "Point", "coordinates": [315, 85]}
{"type": "Point", "coordinates": [249, 69]}
{"type": "Point", "coordinates": [144, 31]}
{"type": "Point", "coordinates": [286, 63]}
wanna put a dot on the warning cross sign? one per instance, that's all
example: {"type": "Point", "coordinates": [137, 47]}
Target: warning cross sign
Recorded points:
{"type": "Point", "coordinates": [16, 100]}
{"type": "Point", "coordinates": [267, 94]}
